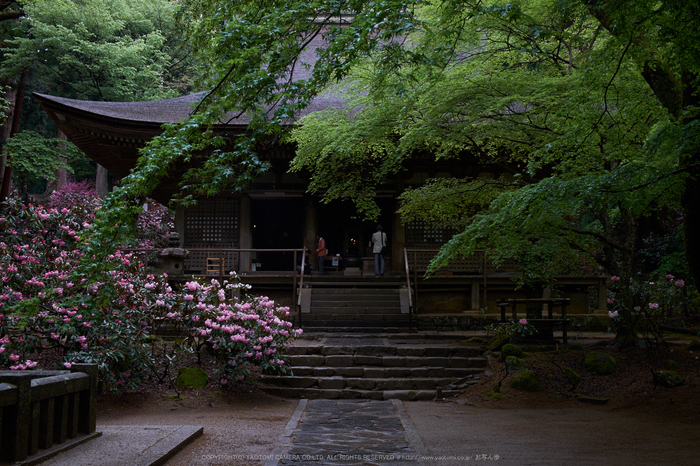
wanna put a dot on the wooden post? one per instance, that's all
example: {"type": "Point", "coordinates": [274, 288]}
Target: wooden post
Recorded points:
{"type": "Point", "coordinates": [87, 420]}
{"type": "Point", "coordinates": [15, 443]}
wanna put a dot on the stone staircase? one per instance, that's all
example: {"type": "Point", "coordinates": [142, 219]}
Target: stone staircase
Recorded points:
{"type": "Point", "coordinates": [378, 367]}
{"type": "Point", "coordinates": [352, 308]}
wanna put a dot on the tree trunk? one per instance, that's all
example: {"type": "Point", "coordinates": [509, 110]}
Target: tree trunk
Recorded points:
{"type": "Point", "coordinates": [626, 334]}
{"type": "Point", "coordinates": [61, 173]}
{"type": "Point", "coordinates": [16, 110]}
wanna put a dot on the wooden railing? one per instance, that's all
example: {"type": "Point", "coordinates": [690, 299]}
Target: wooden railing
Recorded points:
{"type": "Point", "coordinates": [417, 260]}
{"type": "Point", "coordinates": [39, 409]}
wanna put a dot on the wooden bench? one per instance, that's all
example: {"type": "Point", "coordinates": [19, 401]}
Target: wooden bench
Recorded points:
{"type": "Point", "coordinates": [550, 319]}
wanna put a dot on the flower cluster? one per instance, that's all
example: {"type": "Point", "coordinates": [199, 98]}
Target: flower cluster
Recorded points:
{"type": "Point", "coordinates": [666, 297]}
{"type": "Point", "coordinates": [97, 305]}
{"type": "Point", "coordinates": [238, 331]}
{"type": "Point", "coordinates": [650, 304]}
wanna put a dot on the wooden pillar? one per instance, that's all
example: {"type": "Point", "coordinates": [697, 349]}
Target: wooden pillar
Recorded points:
{"type": "Point", "coordinates": [310, 227]}
{"type": "Point", "coordinates": [180, 224]}
{"type": "Point", "coordinates": [102, 181]}
{"type": "Point", "coordinates": [245, 234]}
{"type": "Point", "coordinates": [397, 242]}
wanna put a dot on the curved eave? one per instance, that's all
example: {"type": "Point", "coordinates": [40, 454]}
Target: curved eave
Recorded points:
{"type": "Point", "coordinates": [114, 141]}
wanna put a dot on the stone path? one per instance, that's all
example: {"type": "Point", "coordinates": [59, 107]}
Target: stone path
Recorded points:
{"type": "Point", "coordinates": [349, 432]}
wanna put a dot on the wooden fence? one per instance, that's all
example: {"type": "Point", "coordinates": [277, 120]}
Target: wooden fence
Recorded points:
{"type": "Point", "coordinates": [40, 409]}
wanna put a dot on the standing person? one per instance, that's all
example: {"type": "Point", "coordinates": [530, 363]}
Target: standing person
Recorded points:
{"type": "Point", "coordinates": [378, 243]}
{"type": "Point", "coordinates": [321, 252]}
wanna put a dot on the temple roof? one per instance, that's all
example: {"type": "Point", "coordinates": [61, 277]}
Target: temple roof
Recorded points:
{"type": "Point", "coordinates": [111, 133]}
{"type": "Point", "coordinates": [156, 111]}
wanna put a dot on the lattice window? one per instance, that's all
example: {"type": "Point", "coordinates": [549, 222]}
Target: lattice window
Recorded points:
{"type": "Point", "coordinates": [213, 221]}
{"type": "Point", "coordinates": [419, 232]}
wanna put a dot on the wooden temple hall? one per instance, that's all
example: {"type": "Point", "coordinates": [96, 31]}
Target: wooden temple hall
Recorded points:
{"type": "Point", "coordinates": [276, 212]}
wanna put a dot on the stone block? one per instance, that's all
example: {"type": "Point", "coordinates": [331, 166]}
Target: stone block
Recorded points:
{"type": "Point", "coordinates": [350, 394]}
{"type": "Point", "coordinates": [458, 362]}
{"type": "Point", "coordinates": [437, 352]}
{"type": "Point", "coordinates": [324, 371]}
{"type": "Point", "coordinates": [436, 362]}
{"type": "Point", "coordinates": [331, 383]}
{"type": "Point", "coordinates": [326, 394]}
{"type": "Point", "coordinates": [398, 372]}
{"type": "Point", "coordinates": [425, 395]}
{"type": "Point", "coordinates": [389, 384]}
{"type": "Point", "coordinates": [459, 372]}
{"type": "Point", "coordinates": [301, 382]}
{"type": "Point", "coordinates": [376, 350]}
{"type": "Point", "coordinates": [373, 395]}
{"type": "Point", "coordinates": [363, 360]}
{"type": "Point", "coordinates": [350, 371]}
{"type": "Point", "coordinates": [335, 350]}
{"type": "Point", "coordinates": [419, 372]}
{"type": "Point", "coordinates": [374, 373]}
{"type": "Point", "coordinates": [393, 361]}
{"type": "Point", "coordinates": [303, 371]}
{"type": "Point", "coordinates": [464, 351]}
{"type": "Point", "coordinates": [404, 395]}
{"type": "Point", "coordinates": [339, 361]}
{"type": "Point", "coordinates": [412, 361]}
{"type": "Point", "coordinates": [307, 360]}
{"type": "Point", "coordinates": [410, 351]}
{"type": "Point", "coordinates": [362, 384]}
{"type": "Point", "coordinates": [425, 384]}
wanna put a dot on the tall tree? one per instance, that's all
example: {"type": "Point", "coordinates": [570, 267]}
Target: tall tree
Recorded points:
{"type": "Point", "coordinates": [116, 50]}
{"type": "Point", "coordinates": [567, 94]}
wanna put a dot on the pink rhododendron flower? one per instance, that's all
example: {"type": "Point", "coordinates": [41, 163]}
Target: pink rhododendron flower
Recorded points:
{"type": "Point", "coordinates": [14, 357]}
{"type": "Point", "coordinates": [680, 283]}
{"type": "Point", "coordinates": [669, 277]}
{"type": "Point", "coordinates": [523, 321]}
{"type": "Point", "coordinates": [653, 305]}
{"type": "Point", "coordinates": [614, 278]}
{"type": "Point", "coordinates": [188, 297]}
{"type": "Point", "coordinates": [613, 314]}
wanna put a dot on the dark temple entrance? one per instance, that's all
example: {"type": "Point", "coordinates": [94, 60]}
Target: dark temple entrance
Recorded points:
{"type": "Point", "coordinates": [277, 224]}
{"type": "Point", "coordinates": [345, 233]}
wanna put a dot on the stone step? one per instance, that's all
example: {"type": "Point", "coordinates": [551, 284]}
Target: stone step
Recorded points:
{"type": "Point", "coordinates": [387, 350]}
{"type": "Point", "coordinates": [350, 329]}
{"type": "Point", "coordinates": [386, 372]}
{"type": "Point", "coordinates": [316, 393]}
{"type": "Point", "coordinates": [369, 317]}
{"type": "Point", "coordinates": [359, 383]}
{"type": "Point", "coordinates": [354, 291]}
{"type": "Point", "coordinates": [351, 325]}
{"type": "Point", "coordinates": [345, 307]}
{"type": "Point", "coordinates": [349, 360]}
{"type": "Point", "coordinates": [354, 298]}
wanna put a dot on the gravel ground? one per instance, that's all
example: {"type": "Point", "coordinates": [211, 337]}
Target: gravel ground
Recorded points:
{"type": "Point", "coordinates": [243, 428]}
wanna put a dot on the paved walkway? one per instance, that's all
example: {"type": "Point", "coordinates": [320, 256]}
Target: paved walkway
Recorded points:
{"type": "Point", "coordinates": [349, 432]}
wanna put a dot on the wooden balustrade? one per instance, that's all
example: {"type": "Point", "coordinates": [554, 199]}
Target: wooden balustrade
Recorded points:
{"type": "Point", "coordinates": [40, 409]}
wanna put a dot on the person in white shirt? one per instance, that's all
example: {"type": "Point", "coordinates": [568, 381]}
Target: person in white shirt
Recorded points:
{"type": "Point", "coordinates": [378, 243]}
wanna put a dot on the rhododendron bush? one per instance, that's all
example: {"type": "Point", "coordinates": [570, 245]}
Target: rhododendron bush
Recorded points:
{"type": "Point", "coordinates": [88, 304]}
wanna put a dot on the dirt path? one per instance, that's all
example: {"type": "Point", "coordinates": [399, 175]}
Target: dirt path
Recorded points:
{"type": "Point", "coordinates": [243, 429]}
{"type": "Point", "coordinates": [583, 435]}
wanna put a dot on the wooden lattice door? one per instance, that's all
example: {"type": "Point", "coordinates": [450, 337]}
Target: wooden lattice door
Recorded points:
{"type": "Point", "coordinates": [210, 225]}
